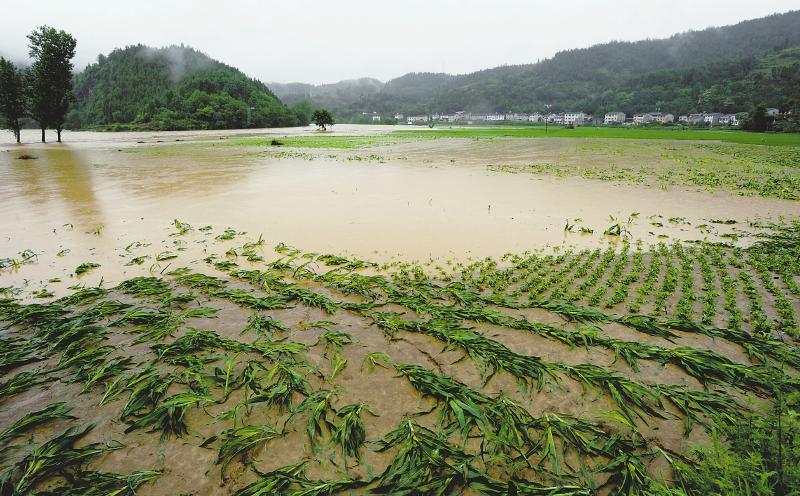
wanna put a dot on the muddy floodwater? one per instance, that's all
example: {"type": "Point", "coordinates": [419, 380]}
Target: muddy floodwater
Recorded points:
{"type": "Point", "coordinates": [435, 201]}
{"type": "Point", "coordinates": [205, 305]}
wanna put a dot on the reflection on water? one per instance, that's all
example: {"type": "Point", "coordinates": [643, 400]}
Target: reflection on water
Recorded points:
{"type": "Point", "coordinates": [58, 181]}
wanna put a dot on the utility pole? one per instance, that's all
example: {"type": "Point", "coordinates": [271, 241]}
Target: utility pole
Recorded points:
{"type": "Point", "coordinates": [547, 116]}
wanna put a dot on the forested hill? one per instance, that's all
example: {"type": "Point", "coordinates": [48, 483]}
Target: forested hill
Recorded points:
{"type": "Point", "coordinates": [175, 87]}
{"type": "Point", "coordinates": [693, 71]}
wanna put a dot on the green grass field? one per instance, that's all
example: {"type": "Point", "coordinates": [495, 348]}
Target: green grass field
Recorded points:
{"type": "Point", "coordinates": [744, 137]}
{"type": "Point", "coordinates": [400, 136]}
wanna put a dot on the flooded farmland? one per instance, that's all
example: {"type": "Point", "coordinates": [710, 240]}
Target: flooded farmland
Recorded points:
{"type": "Point", "coordinates": [429, 198]}
{"type": "Point", "coordinates": [226, 313]}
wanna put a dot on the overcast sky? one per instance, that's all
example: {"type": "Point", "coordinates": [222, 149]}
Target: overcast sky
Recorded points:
{"type": "Point", "coordinates": [326, 41]}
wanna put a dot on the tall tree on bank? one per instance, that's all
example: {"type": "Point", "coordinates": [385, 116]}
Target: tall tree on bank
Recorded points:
{"type": "Point", "coordinates": [51, 76]}
{"type": "Point", "coordinates": [12, 96]}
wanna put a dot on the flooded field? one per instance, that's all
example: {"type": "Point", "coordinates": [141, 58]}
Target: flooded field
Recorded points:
{"type": "Point", "coordinates": [397, 315]}
{"type": "Point", "coordinates": [429, 198]}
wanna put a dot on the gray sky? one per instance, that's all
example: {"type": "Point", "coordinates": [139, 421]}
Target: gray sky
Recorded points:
{"type": "Point", "coordinates": [320, 41]}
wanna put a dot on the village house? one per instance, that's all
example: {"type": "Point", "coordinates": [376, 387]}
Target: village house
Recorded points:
{"type": "Point", "coordinates": [399, 117]}
{"type": "Point", "coordinates": [695, 118]}
{"type": "Point", "coordinates": [663, 118]}
{"type": "Point", "coordinates": [773, 112]}
{"type": "Point", "coordinates": [641, 119]}
{"type": "Point", "coordinates": [575, 118]}
{"type": "Point", "coordinates": [712, 119]}
{"type": "Point", "coordinates": [614, 118]}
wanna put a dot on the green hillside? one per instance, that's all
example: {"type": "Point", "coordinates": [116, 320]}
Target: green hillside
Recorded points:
{"type": "Point", "coordinates": [718, 69]}
{"type": "Point", "coordinates": [174, 87]}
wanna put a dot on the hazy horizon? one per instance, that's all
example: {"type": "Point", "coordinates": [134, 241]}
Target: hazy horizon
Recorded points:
{"type": "Point", "coordinates": [356, 39]}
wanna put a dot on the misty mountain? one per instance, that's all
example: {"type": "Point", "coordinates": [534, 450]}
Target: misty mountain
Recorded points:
{"type": "Point", "coordinates": [173, 87]}
{"type": "Point", "coordinates": [343, 93]}
{"type": "Point", "coordinates": [682, 73]}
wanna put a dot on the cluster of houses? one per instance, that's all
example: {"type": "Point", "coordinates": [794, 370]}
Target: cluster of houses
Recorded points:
{"type": "Point", "coordinates": [710, 119]}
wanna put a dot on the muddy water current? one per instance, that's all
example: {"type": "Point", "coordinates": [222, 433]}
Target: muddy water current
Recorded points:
{"type": "Point", "coordinates": [99, 192]}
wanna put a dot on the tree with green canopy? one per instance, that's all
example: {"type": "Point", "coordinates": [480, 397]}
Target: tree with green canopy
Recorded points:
{"type": "Point", "coordinates": [50, 76]}
{"type": "Point", "coordinates": [12, 96]}
{"type": "Point", "coordinates": [322, 118]}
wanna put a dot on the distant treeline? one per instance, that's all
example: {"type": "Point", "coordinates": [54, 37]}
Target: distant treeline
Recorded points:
{"type": "Point", "coordinates": [43, 91]}
{"type": "Point", "coordinates": [175, 87]}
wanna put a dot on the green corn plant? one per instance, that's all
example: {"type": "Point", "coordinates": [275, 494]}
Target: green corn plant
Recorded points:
{"type": "Point", "coordinates": [176, 299]}
{"type": "Point", "coordinates": [327, 487]}
{"type": "Point", "coordinates": [307, 297]}
{"type": "Point", "coordinates": [196, 340]}
{"type": "Point", "coordinates": [275, 482]}
{"type": "Point", "coordinates": [459, 404]}
{"type": "Point", "coordinates": [22, 382]}
{"type": "Point", "coordinates": [335, 340]}
{"type": "Point", "coordinates": [245, 299]}
{"type": "Point", "coordinates": [240, 443]}
{"type": "Point", "coordinates": [15, 352]}
{"type": "Point", "coordinates": [144, 287]}
{"type": "Point", "coordinates": [200, 281]}
{"type": "Point", "coordinates": [53, 411]}
{"type": "Point", "coordinates": [700, 406]}
{"type": "Point", "coordinates": [86, 267]}
{"type": "Point", "coordinates": [168, 415]}
{"type": "Point", "coordinates": [317, 406]}
{"type": "Point", "coordinates": [146, 388]}
{"type": "Point", "coordinates": [258, 324]}
{"type": "Point", "coordinates": [425, 462]}
{"type": "Point", "coordinates": [83, 296]}
{"type": "Point", "coordinates": [278, 350]}
{"type": "Point", "coordinates": [629, 476]}
{"type": "Point", "coordinates": [633, 400]}
{"type": "Point", "coordinates": [90, 483]}
{"type": "Point", "coordinates": [350, 433]}
{"type": "Point", "coordinates": [50, 458]}
{"type": "Point", "coordinates": [288, 380]}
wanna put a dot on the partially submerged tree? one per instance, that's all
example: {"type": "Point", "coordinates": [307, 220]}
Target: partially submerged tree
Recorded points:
{"type": "Point", "coordinates": [51, 76]}
{"type": "Point", "coordinates": [322, 118]}
{"type": "Point", "coordinates": [12, 96]}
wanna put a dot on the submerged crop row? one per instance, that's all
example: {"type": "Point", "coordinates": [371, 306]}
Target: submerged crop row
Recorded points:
{"type": "Point", "coordinates": [571, 373]}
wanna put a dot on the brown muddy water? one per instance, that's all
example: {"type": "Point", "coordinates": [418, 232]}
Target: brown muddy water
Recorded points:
{"type": "Point", "coordinates": [98, 192]}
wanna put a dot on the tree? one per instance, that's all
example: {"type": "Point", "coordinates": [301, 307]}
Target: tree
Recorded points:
{"type": "Point", "coordinates": [51, 76]}
{"type": "Point", "coordinates": [12, 96]}
{"type": "Point", "coordinates": [322, 118]}
{"type": "Point", "coordinates": [758, 121]}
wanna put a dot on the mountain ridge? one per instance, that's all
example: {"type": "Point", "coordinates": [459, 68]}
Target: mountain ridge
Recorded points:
{"type": "Point", "coordinates": [573, 78]}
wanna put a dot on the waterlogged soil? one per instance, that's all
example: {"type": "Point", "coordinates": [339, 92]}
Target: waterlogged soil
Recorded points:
{"type": "Point", "coordinates": [187, 463]}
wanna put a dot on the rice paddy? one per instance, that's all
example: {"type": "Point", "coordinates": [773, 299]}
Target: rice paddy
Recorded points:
{"type": "Point", "coordinates": [385, 314]}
